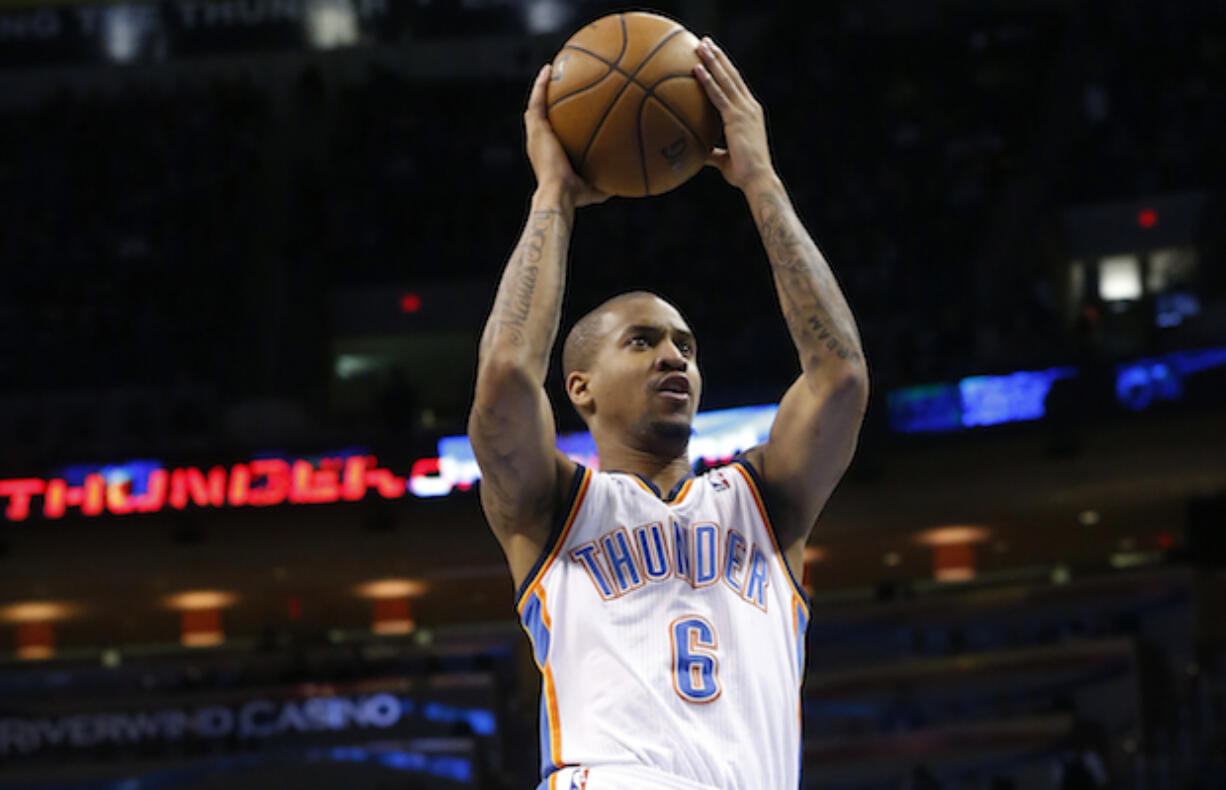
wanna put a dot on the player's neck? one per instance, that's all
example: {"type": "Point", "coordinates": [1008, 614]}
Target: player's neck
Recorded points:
{"type": "Point", "coordinates": [664, 471]}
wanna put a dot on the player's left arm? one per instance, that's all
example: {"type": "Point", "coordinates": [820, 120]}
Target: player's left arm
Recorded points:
{"type": "Point", "coordinates": [814, 435]}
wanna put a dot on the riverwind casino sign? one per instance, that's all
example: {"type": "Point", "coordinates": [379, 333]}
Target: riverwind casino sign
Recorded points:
{"type": "Point", "coordinates": [433, 733]}
{"type": "Point", "coordinates": [150, 486]}
{"type": "Point", "coordinates": [257, 719]}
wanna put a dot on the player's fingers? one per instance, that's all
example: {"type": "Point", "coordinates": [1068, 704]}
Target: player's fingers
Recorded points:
{"type": "Point", "coordinates": [718, 159]}
{"type": "Point", "coordinates": [716, 69]}
{"type": "Point", "coordinates": [536, 99]}
{"type": "Point", "coordinates": [730, 72]}
{"type": "Point", "coordinates": [714, 92]}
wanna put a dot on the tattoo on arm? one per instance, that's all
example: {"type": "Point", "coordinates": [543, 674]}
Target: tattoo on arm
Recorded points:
{"type": "Point", "coordinates": [817, 315]}
{"type": "Point", "coordinates": [541, 252]}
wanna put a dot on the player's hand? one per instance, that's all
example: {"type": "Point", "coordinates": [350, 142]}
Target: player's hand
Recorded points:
{"type": "Point", "coordinates": [747, 157]}
{"type": "Point", "coordinates": [548, 158]}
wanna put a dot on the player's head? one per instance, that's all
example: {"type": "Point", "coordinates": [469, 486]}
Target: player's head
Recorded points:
{"type": "Point", "coordinates": [631, 369]}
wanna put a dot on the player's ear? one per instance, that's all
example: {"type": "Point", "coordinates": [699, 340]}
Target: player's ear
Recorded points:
{"type": "Point", "coordinates": [578, 389]}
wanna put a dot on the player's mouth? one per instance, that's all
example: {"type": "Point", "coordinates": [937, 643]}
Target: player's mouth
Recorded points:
{"type": "Point", "coordinates": [674, 387]}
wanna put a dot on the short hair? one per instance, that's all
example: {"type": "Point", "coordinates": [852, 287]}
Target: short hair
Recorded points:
{"type": "Point", "coordinates": [584, 338]}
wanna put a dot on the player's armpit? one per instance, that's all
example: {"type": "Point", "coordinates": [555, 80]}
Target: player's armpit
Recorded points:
{"type": "Point", "coordinates": [810, 446]}
{"type": "Point", "coordinates": [512, 432]}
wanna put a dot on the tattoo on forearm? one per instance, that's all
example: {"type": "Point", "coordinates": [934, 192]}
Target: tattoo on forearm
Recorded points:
{"type": "Point", "coordinates": [514, 313]}
{"type": "Point", "coordinates": [813, 306]}
{"type": "Point", "coordinates": [513, 306]}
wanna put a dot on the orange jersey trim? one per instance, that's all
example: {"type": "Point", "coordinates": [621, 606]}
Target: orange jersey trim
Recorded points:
{"type": "Point", "coordinates": [685, 489]}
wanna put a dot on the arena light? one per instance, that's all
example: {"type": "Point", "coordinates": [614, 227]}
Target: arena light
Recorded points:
{"type": "Point", "coordinates": [410, 303]}
{"type": "Point", "coordinates": [1119, 278]}
{"type": "Point", "coordinates": [953, 535]}
{"type": "Point", "coordinates": [197, 600]}
{"type": "Point", "coordinates": [390, 588]}
{"type": "Point", "coordinates": [545, 16]}
{"type": "Point", "coordinates": [1147, 218]}
{"type": "Point", "coordinates": [37, 612]}
{"type": "Point", "coordinates": [331, 23]}
{"type": "Point", "coordinates": [124, 29]}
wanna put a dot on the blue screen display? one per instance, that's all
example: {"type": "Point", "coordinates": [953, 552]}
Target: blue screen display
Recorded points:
{"type": "Point", "coordinates": [1140, 383]}
{"type": "Point", "coordinates": [974, 402]}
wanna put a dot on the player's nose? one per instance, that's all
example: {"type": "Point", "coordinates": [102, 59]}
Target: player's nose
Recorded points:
{"type": "Point", "coordinates": [670, 358]}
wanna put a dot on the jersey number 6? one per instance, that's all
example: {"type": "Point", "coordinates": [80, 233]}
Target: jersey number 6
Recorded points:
{"type": "Point", "coordinates": [695, 667]}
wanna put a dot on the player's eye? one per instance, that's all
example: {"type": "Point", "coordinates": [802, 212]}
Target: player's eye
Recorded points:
{"type": "Point", "coordinates": [639, 341]}
{"type": "Point", "coordinates": [685, 348]}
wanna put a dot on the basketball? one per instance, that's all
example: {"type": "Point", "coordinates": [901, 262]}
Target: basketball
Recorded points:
{"type": "Point", "coordinates": [625, 105]}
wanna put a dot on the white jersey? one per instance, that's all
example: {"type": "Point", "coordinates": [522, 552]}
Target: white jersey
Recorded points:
{"type": "Point", "coordinates": [670, 637]}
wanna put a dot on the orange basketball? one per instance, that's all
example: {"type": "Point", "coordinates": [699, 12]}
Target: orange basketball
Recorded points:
{"type": "Point", "coordinates": [624, 102]}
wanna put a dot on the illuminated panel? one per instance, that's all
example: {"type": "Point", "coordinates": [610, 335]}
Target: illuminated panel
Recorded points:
{"type": "Point", "coordinates": [1119, 278]}
{"type": "Point", "coordinates": [1141, 382]}
{"type": "Point", "coordinates": [974, 402]}
{"type": "Point", "coordinates": [1173, 307]}
{"type": "Point", "coordinates": [1017, 397]}
{"type": "Point", "coordinates": [931, 408]}
{"type": "Point", "coordinates": [721, 434]}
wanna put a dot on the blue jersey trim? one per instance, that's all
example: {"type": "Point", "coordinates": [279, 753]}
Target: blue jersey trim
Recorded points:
{"type": "Point", "coordinates": [555, 533]}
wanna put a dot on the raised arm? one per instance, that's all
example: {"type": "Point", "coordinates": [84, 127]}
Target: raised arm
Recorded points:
{"type": "Point", "coordinates": [814, 435]}
{"type": "Point", "coordinates": [511, 423]}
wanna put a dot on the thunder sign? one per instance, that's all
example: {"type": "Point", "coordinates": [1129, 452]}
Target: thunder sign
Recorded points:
{"type": "Point", "coordinates": [148, 486]}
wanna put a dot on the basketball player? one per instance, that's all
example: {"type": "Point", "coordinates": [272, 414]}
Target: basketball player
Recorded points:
{"type": "Point", "coordinates": [664, 610]}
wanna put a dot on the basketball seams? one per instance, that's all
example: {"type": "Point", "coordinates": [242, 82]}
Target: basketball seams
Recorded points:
{"type": "Point", "coordinates": [611, 66]}
{"type": "Point", "coordinates": [630, 78]}
{"type": "Point", "coordinates": [651, 94]}
{"type": "Point", "coordinates": [642, 147]}
{"type": "Point", "coordinates": [625, 41]}
{"type": "Point", "coordinates": [581, 89]}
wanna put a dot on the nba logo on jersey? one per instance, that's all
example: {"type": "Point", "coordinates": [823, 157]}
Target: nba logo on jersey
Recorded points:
{"type": "Point", "coordinates": [579, 780]}
{"type": "Point", "coordinates": [718, 481]}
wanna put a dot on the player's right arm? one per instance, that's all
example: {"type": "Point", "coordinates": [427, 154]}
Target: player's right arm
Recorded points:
{"type": "Point", "coordinates": [511, 424]}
